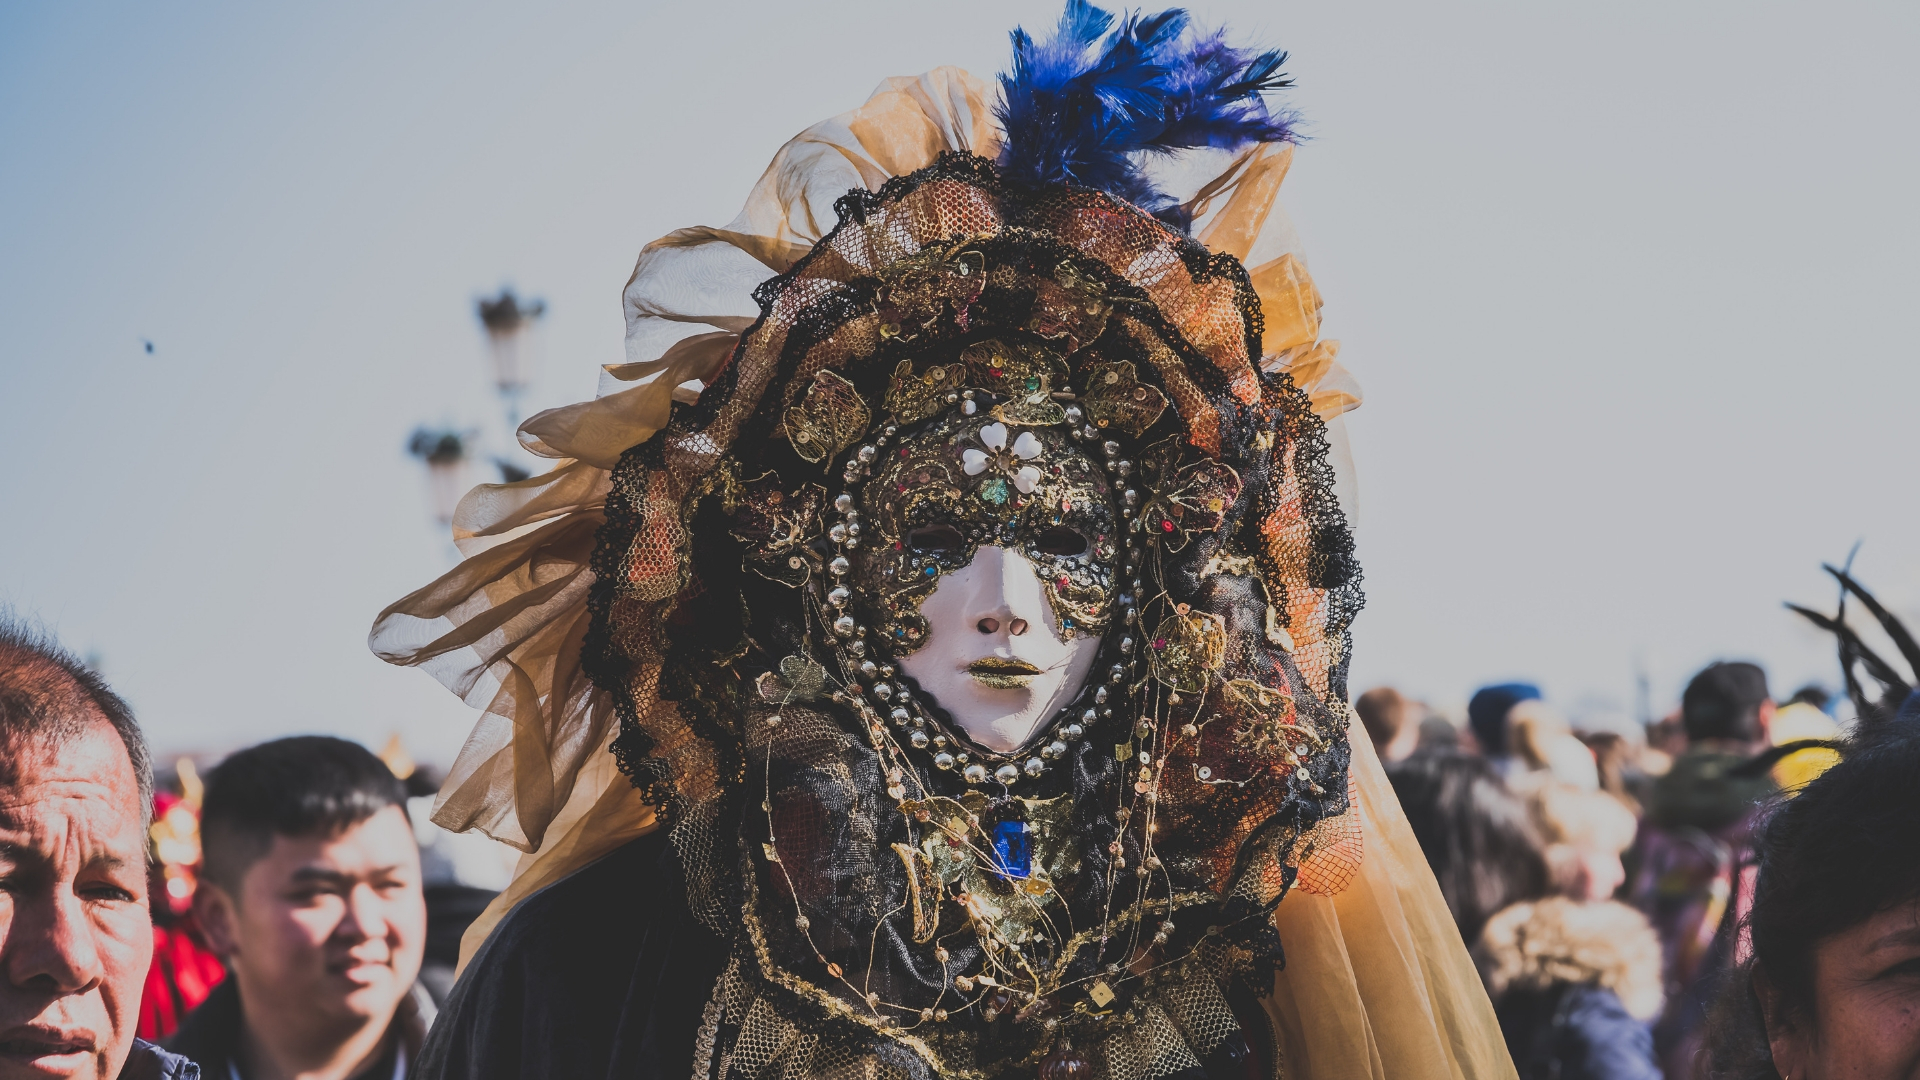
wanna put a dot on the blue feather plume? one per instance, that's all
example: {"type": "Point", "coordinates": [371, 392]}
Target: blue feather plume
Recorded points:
{"type": "Point", "coordinates": [1076, 107]}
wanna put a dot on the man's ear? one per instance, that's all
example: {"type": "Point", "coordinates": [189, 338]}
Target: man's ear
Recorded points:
{"type": "Point", "coordinates": [1786, 1034]}
{"type": "Point", "coordinates": [219, 918]}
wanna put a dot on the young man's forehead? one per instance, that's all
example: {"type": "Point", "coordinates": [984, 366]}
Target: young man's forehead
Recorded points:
{"type": "Point", "coordinates": [381, 840]}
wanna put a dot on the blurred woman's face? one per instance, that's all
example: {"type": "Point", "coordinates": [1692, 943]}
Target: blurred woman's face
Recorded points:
{"type": "Point", "coordinates": [1586, 872]}
{"type": "Point", "coordinates": [1866, 1005]}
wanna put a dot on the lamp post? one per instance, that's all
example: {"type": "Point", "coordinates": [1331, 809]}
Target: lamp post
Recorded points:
{"type": "Point", "coordinates": [509, 323]}
{"type": "Point", "coordinates": [444, 452]}
{"type": "Point", "coordinates": [448, 453]}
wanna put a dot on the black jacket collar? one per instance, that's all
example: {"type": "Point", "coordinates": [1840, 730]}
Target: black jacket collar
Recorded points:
{"type": "Point", "coordinates": [149, 1062]}
{"type": "Point", "coordinates": [210, 1035]}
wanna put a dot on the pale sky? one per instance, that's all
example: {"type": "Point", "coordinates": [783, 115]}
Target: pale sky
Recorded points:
{"type": "Point", "coordinates": [1630, 288]}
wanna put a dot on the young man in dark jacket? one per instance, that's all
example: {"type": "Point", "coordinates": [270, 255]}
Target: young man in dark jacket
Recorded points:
{"type": "Point", "coordinates": [312, 895]}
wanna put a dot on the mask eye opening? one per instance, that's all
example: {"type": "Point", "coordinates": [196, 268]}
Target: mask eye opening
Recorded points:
{"type": "Point", "coordinates": [1062, 542]}
{"type": "Point", "coordinates": [936, 540]}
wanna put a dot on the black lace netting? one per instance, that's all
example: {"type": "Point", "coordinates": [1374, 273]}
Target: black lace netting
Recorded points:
{"type": "Point", "coordinates": [680, 630]}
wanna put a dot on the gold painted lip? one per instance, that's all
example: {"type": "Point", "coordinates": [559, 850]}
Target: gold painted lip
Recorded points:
{"type": "Point", "coordinates": [1002, 672]}
{"type": "Point", "coordinates": [1002, 665]}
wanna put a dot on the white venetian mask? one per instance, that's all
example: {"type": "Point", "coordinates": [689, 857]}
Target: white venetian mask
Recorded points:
{"type": "Point", "coordinates": [995, 657]}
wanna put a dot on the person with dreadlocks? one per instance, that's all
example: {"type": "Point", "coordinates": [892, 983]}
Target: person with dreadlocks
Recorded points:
{"type": "Point", "coordinates": [928, 657]}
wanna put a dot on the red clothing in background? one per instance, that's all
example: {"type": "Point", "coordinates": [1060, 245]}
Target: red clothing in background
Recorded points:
{"type": "Point", "coordinates": [182, 975]}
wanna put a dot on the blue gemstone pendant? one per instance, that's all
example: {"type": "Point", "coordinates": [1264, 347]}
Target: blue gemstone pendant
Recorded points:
{"type": "Point", "coordinates": [1013, 850]}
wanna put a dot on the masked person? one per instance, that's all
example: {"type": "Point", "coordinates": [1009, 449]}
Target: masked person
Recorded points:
{"type": "Point", "coordinates": [955, 607]}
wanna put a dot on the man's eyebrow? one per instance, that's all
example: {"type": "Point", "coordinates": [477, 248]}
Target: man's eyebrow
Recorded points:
{"type": "Point", "coordinates": [25, 855]}
{"type": "Point", "coordinates": [324, 875]}
{"type": "Point", "coordinates": [320, 874]}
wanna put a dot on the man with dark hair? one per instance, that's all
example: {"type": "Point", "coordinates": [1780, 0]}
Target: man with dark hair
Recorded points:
{"type": "Point", "coordinates": [75, 932]}
{"type": "Point", "coordinates": [311, 893]}
{"type": "Point", "coordinates": [1693, 859]}
{"type": "Point", "coordinates": [1728, 704]}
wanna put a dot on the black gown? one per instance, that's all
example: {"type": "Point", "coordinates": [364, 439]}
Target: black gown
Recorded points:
{"type": "Point", "coordinates": [602, 974]}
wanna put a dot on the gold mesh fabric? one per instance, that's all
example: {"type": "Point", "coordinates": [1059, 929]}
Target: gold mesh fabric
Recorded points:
{"type": "Point", "coordinates": [1183, 1020]}
{"type": "Point", "coordinates": [1150, 1047]}
{"type": "Point", "coordinates": [1332, 851]}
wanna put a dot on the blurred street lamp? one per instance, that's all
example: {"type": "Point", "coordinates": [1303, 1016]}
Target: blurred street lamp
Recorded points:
{"type": "Point", "coordinates": [509, 322]}
{"type": "Point", "coordinates": [444, 451]}
{"type": "Point", "coordinates": [510, 345]}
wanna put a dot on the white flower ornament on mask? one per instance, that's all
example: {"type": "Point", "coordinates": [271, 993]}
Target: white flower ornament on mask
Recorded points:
{"type": "Point", "coordinates": [998, 456]}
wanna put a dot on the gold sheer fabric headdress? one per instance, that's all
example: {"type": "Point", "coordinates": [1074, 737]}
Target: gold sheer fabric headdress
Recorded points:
{"type": "Point", "coordinates": [555, 635]}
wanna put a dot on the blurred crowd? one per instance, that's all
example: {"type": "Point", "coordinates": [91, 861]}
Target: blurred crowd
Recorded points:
{"type": "Point", "coordinates": [1732, 891]}
{"type": "Point", "coordinates": [1604, 874]}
